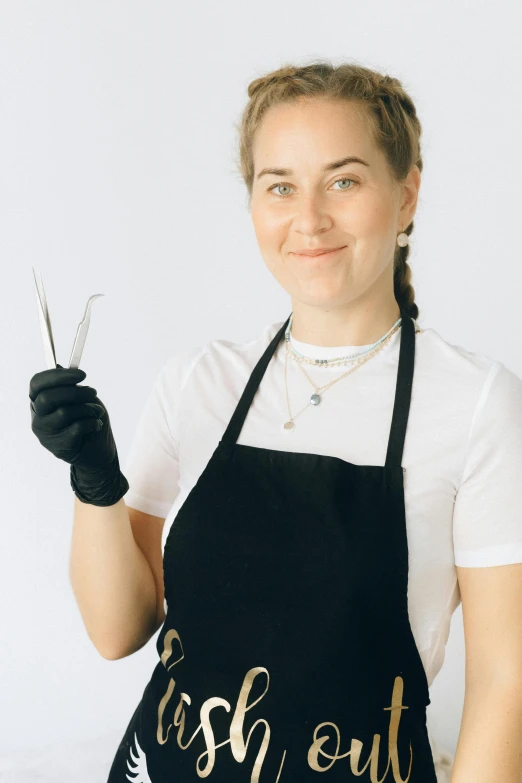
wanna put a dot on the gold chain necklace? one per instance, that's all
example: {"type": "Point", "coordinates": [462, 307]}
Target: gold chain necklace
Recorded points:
{"type": "Point", "coordinates": [315, 399]}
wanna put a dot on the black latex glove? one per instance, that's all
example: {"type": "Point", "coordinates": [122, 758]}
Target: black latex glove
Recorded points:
{"type": "Point", "coordinates": [72, 423]}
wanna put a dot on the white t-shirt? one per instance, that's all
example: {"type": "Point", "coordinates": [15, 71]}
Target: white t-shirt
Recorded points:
{"type": "Point", "coordinates": [462, 452]}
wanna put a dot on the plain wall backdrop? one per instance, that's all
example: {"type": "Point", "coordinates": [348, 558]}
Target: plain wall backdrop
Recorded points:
{"type": "Point", "coordinates": [117, 176]}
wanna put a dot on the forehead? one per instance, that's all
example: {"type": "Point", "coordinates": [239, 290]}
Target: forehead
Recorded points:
{"type": "Point", "coordinates": [315, 130]}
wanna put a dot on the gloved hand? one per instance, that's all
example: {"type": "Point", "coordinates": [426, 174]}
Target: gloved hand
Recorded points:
{"type": "Point", "coordinates": [73, 424]}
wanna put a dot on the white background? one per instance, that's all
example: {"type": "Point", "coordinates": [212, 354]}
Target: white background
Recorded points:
{"type": "Point", "coordinates": [117, 176]}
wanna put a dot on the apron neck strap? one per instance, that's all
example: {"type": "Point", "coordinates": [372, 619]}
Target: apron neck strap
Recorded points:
{"type": "Point", "coordinates": [403, 386]}
{"type": "Point", "coordinates": [235, 424]}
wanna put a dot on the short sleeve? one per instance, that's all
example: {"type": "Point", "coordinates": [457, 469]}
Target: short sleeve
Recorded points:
{"type": "Point", "coordinates": [487, 515]}
{"type": "Point", "coordinates": [152, 463]}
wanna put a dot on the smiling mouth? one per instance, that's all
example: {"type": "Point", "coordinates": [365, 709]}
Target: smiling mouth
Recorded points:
{"type": "Point", "coordinates": [309, 256]}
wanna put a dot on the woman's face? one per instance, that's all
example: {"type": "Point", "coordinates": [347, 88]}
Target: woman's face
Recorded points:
{"type": "Point", "coordinates": [355, 206]}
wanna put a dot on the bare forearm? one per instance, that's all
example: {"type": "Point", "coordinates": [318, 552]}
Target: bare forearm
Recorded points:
{"type": "Point", "coordinates": [111, 579]}
{"type": "Point", "coordinates": [489, 748]}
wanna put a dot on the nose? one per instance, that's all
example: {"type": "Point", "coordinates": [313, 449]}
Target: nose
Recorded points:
{"type": "Point", "coordinates": [311, 216]}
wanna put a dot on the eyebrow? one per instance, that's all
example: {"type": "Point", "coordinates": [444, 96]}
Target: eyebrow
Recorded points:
{"type": "Point", "coordinates": [329, 167]}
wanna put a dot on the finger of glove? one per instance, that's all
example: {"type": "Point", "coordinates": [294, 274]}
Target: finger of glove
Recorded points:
{"type": "Point", "coordinates": [68, 444]}
{"type": "Point", "coordinates": [65, 415]}
{"type": "Point", "coordinates": [49, 399]}
{"type": "Point", "coordinates": [59, 376]}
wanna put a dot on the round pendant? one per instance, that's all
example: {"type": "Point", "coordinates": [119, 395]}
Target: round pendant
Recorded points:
{"type": "Point", "coordinates": [288, 427]}
{"type": "Point", "coordinates": [315, 399]}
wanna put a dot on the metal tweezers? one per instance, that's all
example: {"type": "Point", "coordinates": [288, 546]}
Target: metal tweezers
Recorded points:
{"type": "Point", "coordinates": [47, 332]}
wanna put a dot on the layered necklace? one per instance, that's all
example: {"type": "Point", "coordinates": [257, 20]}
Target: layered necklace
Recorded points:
{"type": "Point", "coordinates": [355, 360]}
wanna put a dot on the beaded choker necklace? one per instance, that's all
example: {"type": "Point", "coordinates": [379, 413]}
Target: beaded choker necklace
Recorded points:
{"type": "Point", "coordinates": [339, 361]}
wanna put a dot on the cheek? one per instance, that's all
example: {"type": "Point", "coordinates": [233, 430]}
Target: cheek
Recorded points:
{"type": "Point", "coordinates": [270, 222]}
{"type": "Point", "coordinates": [271, 234]}
{"type": "Point", "coordinates": [374, 218]}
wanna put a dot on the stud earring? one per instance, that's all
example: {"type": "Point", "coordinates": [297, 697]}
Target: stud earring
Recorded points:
{"type": "Point", "coordinates": [402, 239]}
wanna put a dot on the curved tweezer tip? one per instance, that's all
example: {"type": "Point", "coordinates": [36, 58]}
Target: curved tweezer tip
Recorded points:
{"type": "Point", "coordinates": [81, 333]}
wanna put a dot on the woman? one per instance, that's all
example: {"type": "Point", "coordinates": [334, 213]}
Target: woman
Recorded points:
{"type": "Point", "coordinates": [310, 569]}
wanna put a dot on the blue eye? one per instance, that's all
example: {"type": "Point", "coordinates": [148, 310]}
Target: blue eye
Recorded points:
{"type": "Point", "coordinates": [281, 184]}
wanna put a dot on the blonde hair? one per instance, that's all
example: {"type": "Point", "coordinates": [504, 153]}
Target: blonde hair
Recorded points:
{"type": "Point", "coordinates": [388, 109]}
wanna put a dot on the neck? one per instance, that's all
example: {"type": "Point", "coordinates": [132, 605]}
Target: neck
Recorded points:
{"type": "Point", "coordinates": [352, 324]}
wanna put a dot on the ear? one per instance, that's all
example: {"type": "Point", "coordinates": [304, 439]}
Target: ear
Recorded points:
{"type": "Point", "coordinates": [409, 195]}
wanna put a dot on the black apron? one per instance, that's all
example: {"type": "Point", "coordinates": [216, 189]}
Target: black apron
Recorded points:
{"type": "Point", "coordinates": [287, 649]}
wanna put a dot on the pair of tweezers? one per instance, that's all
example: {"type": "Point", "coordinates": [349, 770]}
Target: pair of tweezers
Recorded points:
{"type": "Point", "coordinates": [47, 332]}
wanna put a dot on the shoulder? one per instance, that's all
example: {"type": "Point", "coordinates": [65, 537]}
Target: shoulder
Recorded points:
{"type": "Point", "coordinates": [179, 366]}
{"type": "Point", "coordinates": [234, 357]}
{"type": "Point", "coordinates": [216, 361]}
{"type": "Point", "coordinates": [458, 368]}
{"type": "Point", "coordinates": [251, 346]}
{"type": "Point", "coordinates": [451, 355]}
{"type": "Point", "coordinates": [472, 387]}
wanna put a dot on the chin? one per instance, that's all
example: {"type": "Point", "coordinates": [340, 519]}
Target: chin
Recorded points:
{"type": "Point", "coordinates": [321, 297]}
